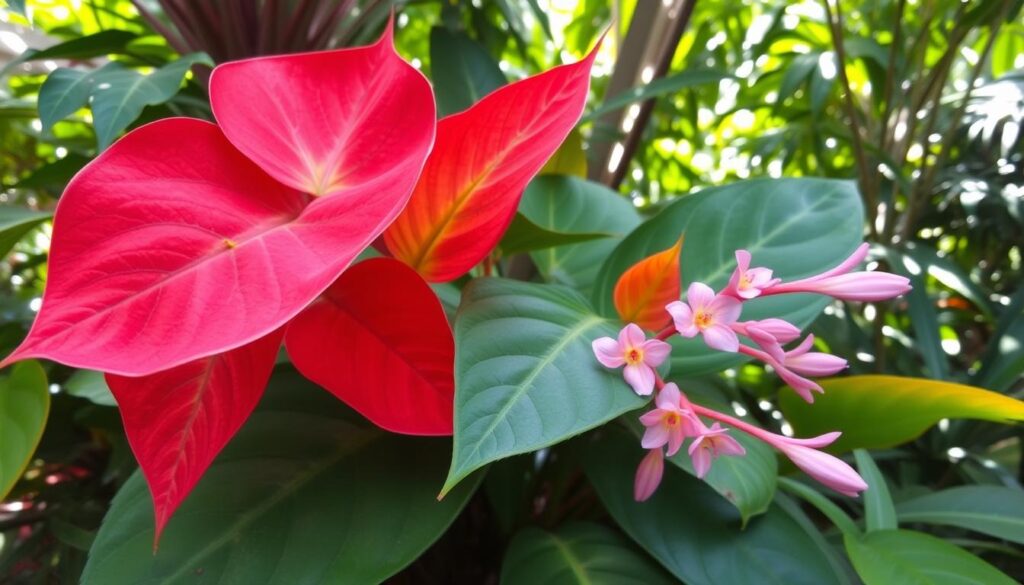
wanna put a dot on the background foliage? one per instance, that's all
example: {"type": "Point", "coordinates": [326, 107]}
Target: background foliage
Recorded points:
{"type": "Point", "coordinates": [917, 103]}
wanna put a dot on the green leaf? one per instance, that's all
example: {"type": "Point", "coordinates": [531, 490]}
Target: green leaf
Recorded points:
{"type": "Point", "coordinates": [15, 222]}
{"type": "Point", "coordinates": [524, 235]}
{"type": "Point", "coordinates": [572, 204]}
{"type": "Point", "coordinates": [796, 227]}
{"type": "Point", "coordinates": [569, 159]}
{"type": "Point", "coordinates": [657, 88]}
{"type": "Point", "coordinates": [24, 406]}
{"type": "Point", "coordinates": [879, 512]}
{"type": "Point", "coordinates": [121, 94]}
{"type": "Point", "coordinates": [305, 493]}
{"type": "Point", "coordinates": [584, 554]}
{"type": "Point", "coordinates": [98, 44]}
{"type": "Point", "coordinates": [994, 510]}
{"type": "Point", "coordinates": [897, 557]}
{"type": "Point", "coordinates": [827, 507]}
{"type": "Point", "coordinates": [693, 532]}
{"type": "Point", "coordinates": [90, 385]}
{"type": "Point", "coordinates": [747, 482]}
{"type": "Point", "coordinates": [525, 372]}
{"type": "Point", "coordinates": [821, 87]}
{"type": "Point", "coordinates": [1003, 362]}
{"type": "Point", "coordinates": [923, 316]}
{"type": "Point", "coordinates": [798, 71]}
{"type": "Point", "coordinates": [54, 176]}
{"type": "Point", "coordinates": [64, 92]}
{"type": "Point", "coordinates": [877, 412]}
{"type": "Point", "coordinates": [462, 70]}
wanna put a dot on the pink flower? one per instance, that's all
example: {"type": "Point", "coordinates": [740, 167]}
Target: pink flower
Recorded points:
{"type": "Point", "coordinates": [639, 354]}
{"type": "Point", "coordinates": [840, 283]}
{"type": "Point", "coordinates": [830, 471]}
{"type": "Point", "coordinates": [769, 334]}
{"type": "Point", "coordinates": [670, 423]}
{"type": "Point", "coordinates": [792, 366]}
{"type": "Point", "coordinates": [709, 444]}
{"type": "Point", "coordinates": [648, 475]}
{"type": "Point", "coordinates": [746, 282]}
{"type": "Point", "coordinates": [707, 314]}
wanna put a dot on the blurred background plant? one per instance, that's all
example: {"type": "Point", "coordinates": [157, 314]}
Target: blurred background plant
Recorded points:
{"type": "Point", "coordinates": [919, 102]}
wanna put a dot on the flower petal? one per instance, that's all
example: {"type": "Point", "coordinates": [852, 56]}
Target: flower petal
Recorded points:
{"type": "Point", "coordinates": [655, 352]}
{"type": "Point", "coordinates": [648, 475]}
{"type": "Point", "coordinates": [682, 318]}
{"type": "Point", "coordinates": [323, 122]}
{"type": "Point", "coordinates": [631, 336]}
{"type": "Point", "coordinates": [669, 397]}
{"type": "Point", "coordinates": [640, 377]}
{"type": "Point", "coordinates": [699, 295]}
{"type": "Point", "coordinates": [655, 436]}
{"type": "Point", "coordinates": [721, 338]}
{"type": "Point", "coordinates": [608, 352]}
{"type": "Point", "coordinates": [726, 309]}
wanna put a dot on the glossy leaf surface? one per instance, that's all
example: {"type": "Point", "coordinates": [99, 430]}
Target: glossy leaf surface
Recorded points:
{"type": "Point", "coordinates": [15, 222]}
{"type": "Point", "coordinates": [693, 532]}
{"type": "Point", "coordinates": [897, 557]}
{"type": "Point", "coordinates": [178, 420]}
{"type": "Point", "coordinates": [525, 373]}
{"type": "Point", "coordinates": [463, 71]}
{"type": "Point", "coordinates": [481, 162]}
{"type": "Point", "coordinates": [304, 494]}
{"type": "Point", "coordinates": [771, 218]}
{"type": "Point", "coordinates": [378, 339]}
{"type": "Point", "coordinates": [644, 289]}
{"type": "Point", "coordinates": [989, 509]}
{"type": "Point", "coordinates": [575, 205]}
{"type": "Point", "coordinates": [581, 554]}
{"type": "Point", "coordinates": [877, 412]}
{"type": "Point", "coordinates": [24, 407]}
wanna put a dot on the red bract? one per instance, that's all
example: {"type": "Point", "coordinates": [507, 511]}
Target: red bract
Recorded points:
{"type": "Point", "coordinates": [172, 245]}
{"type": "Point", "coordinates": [178, 420]}
{"type": "Point", "coordinates": [378, 339]}
{"type": "Point", "coordinates": [476, 174]}
{"type": "Point", "coordinates": [181, 254]}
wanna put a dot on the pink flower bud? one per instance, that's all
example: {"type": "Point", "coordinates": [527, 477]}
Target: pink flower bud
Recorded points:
{"type": "Point", "coordinates": [830, 471]}
{"type": "Point", "coordinates": [648, 475]}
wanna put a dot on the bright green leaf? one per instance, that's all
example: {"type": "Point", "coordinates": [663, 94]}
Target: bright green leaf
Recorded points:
{"type": "Point", "coordinates": [879, 512]}
{"type": "Point", "coordinates": [15, 222]}
{"type": "Point", "coordinates": [24, 406]}
{"type": "Point", "coordinates": [877, 412]}
{"type": "Point", "coordinates": [771, 218]}
{"type": "Point", "coordinates": [696, 534]}
{"type": "Point", "coordinates": [462, 70]}
{"type": "Point", "coordinates": [898, 557]}
{"type": "Point", "coordinates": [305, 493]}
{"type": "Point", "coordinates": [576, 205]}
{"type": "Point", "coordinates": [98, 44]}
{"type": "Point", "coordinates": [581, 554]}
{"type": "Point", "coordinates": [524, 235]}
{"type": "Point", "coordinates": [525, 372]}
{"type": "Point", "coordinates": [64, 92]}
{"type": "Point", "coordinates": [570, 158]}
{"type": "Point", "coordinates": [994, 510]}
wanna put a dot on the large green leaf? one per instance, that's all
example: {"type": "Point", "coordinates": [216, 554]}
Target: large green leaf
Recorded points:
{"type": "Point", "coordinates": [748, 482]}
{"type": "Point", "coordinates": [658, 87]}
{"type": "Point", "coordinates": [1003, 362]}
{"type": "Point", "coordinates": [462, 70]}
{"type": "Point", "coordinates": [877, 412]}
{"type": "Point", "coordinates": [923, 317]}
{"type": "Point", "coordinates": [98, 44]}
{"type": "Point", "coordinates": [306, 493]}
{"type": "Point", "coordinates": [584, 554]}
{"type": "Point", "coordinates": [571, 204]}
{"type": "Point", "coordinates": [120, 94]}
{"type": "Point", "coordinates": [694, 533]}
{"type": "Point", "coordinates": [15, 222]}
{"type": "Point", "coordinates": [796, 227]}
{"type": "Point", "coordinates": [24, 406]}
{"type": "Point", "coordinates": [525, 373]}
{"type": "Point", "coordinates": [879, 512]}
{"type": "Point", "coordinates": [523, 235]}
{"type": "Point", "coordinates": [64, 92]}
{"type": "Point", "coordinates": [898, 557]}
{"type": "Point", "coordinates": [994, 510]}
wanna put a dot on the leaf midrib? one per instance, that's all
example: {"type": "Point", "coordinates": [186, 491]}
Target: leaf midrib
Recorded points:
{"type": "Point", "coordinates": [523, 387]}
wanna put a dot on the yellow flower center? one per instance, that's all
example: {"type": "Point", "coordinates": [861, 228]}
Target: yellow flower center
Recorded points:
{"type": "Point", "coordinates": [744, 282]}
{"type": "Point", "coordinates": [703, 319]}
{"type": "Point", "coordinates": [671, 419]}
{"type": "Point", "coordinates": [634, 356]}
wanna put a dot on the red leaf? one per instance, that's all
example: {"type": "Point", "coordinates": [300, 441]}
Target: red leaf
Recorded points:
{"type": "Point", "coordinates": [378, 340]}
{"type": "Point", "coordinates": [178, 420]}
{"type": "Point", "coordinates": [481, 162]}
{"type": "Point", "coordinates": [172, 245]}
{"type": "Point", "coordinates": [643, 291]}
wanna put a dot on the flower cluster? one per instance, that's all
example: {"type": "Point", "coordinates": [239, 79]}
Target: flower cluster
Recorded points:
{"type": "Point", "coordinates": [716, 318]}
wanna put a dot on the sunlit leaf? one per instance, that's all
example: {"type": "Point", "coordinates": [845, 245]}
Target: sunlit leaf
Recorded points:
{"type": "Point", "coordinates": [24, 406]}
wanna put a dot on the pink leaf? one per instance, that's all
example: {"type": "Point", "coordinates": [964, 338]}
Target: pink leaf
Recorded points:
{"type": "Point", "coordinates": [378, 340]}
{"type": "Point", "coordinates": [178, 420]}
{"type": "Point", "coordinates": [172, 245]}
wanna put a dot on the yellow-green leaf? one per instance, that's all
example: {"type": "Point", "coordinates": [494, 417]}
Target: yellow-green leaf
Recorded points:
{"type": "Point", "coordinates": [24, 406]}
{"type": "Point", "coordinates": [876, 412]}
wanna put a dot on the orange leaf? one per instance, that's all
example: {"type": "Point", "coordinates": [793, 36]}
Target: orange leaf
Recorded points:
{"type": "Point", "coordinates": [482, 160]}
{"type": "Point", "coordinates": [643, 291]}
